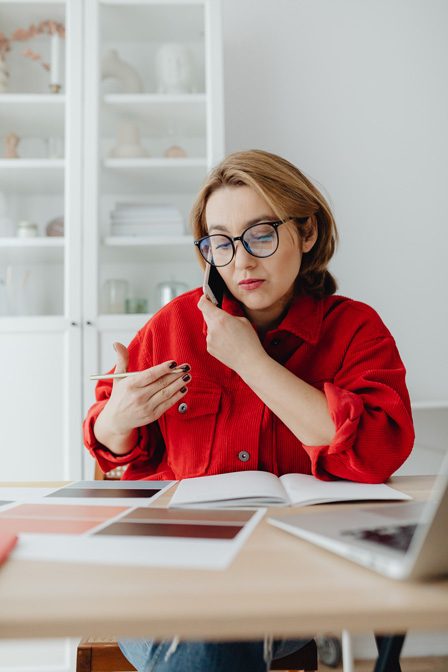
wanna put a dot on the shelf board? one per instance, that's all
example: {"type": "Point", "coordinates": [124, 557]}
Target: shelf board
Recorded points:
{"type": "Point", "coordinates": [35, 176]}
{"type": "Point", "coordinates": [27, 164]}
{"type": "Point", "coordinates": [37, 250]}
{"type": "Point", "coordinates": [153, 98]}
{"type": "Point", "coordinates": [37, 242]}
{"type": "Point", "coordinates": [149, 163]}
{"type": "Point", "coordinates": [150, 241]}
{"type": "Point", "coordinates": [32, 98]}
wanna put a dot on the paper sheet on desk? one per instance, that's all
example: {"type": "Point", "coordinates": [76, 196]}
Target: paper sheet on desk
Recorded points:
{"type": "Point", "coordinates": [92, 493]}
{"type": "Point", "coordinates": [150, 537]}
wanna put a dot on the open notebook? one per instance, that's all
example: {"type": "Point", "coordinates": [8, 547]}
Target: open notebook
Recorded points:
{"type": "Point", "coordinates": [261, 488]}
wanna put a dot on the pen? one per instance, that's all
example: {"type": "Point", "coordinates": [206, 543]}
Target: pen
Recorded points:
{"type": "Point", "coordinates": [126, 374]}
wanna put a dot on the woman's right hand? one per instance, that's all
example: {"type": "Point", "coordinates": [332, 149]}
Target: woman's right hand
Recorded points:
{"type": "Point", "coordinates": [138, 400]}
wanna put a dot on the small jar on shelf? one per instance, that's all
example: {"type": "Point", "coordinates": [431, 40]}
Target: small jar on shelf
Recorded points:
{"type": "Point", "coordinates": [26, 229]}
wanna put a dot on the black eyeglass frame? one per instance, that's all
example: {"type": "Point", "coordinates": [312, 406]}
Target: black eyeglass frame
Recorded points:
{"type": "Point", "coordinates": [275, 224]}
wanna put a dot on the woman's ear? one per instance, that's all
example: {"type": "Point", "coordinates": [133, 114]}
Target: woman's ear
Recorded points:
{"type": "Point", "coordinates": [310, 233]}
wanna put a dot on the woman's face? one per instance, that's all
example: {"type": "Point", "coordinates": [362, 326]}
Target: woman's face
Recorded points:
{"type": "Point", "coordinates": [265, 286]}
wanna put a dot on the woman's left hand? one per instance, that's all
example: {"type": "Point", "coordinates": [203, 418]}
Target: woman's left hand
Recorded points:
{"type": "Point", "coordinates": [232, 340]}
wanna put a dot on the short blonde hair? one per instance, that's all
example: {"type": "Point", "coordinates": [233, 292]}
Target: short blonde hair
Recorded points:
{"type": "Point", "coordinates": [291, 195]}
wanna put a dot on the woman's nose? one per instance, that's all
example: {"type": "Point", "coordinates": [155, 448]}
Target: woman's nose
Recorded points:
{"type": "Point", "coordinates": [242, 257]}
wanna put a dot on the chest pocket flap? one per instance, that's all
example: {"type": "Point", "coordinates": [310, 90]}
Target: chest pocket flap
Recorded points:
{"type": "Point", "coordinates": [188, 429]}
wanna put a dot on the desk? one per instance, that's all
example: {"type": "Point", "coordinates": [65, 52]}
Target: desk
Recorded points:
{"type": "Point", "coordinates": [278, 584]}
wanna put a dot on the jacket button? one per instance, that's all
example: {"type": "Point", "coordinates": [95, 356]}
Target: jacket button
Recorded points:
{"type": "Point", "coordinates": [183, 407]}
{"type": "Point", "coordinates": [243, 455]}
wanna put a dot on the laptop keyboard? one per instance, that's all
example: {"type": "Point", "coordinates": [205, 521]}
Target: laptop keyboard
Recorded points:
{"type": "Point", "coordinates": [397, 536]}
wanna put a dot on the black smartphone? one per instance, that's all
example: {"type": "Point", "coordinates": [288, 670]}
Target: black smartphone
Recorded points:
{"type": "Point", "coordinates": [213, 286]}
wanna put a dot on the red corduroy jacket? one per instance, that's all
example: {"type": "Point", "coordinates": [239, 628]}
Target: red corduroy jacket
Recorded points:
{"type": "Point", "coordinates": [338, 345]}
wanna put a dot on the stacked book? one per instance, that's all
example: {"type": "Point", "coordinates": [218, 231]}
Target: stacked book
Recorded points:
{"type": "Point", "coordinates": [144, 219]}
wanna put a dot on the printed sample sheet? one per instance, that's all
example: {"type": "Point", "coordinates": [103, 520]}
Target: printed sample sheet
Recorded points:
{"type": "Point", "coordinates": [115, 493]}
{"type": "Point", "coordinates": [120, 535]}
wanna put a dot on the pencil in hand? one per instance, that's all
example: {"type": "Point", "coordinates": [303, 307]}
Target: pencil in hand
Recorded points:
{"type": "Point", "coordinates": [126, 374]}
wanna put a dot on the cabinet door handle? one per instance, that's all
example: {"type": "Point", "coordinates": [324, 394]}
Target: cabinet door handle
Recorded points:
{"type": "Point", "coordinates": [73, 324]}
{"type": "Point", "coordinates": [89, 323]}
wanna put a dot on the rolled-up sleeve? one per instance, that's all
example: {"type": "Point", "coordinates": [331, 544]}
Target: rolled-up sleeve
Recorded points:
{"type": "Point", "coordinates": [369, 404]}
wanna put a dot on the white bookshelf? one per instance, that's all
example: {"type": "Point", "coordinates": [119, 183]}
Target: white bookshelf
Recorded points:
{"type": "Point", "coordinates": [54, 326]}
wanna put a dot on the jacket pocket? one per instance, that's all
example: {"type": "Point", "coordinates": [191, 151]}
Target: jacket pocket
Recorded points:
{"type": "Point", "coordinates": [188, 429]}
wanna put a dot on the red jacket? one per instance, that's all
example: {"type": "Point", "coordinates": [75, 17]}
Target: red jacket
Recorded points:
{"type": "Point", "coordinates": [337, 345]}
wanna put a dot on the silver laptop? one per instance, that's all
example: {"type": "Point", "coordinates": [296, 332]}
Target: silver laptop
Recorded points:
{"type": "Point", "coordinates": [402, 541]}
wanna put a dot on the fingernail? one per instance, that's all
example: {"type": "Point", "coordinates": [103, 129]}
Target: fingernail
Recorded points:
{"type": "Point", "coordinates": [115, 347]}
{"type": "Point", "coordinates": [186, 377]}
{"type": "Point", "coordinates": [173, 365]}
{"type": "Point", "coordinates": [185, 368]}
{"type": "Point", "coordinates": [183, 389]}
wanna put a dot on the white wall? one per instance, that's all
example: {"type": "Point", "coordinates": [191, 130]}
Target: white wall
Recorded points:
{"type": "Point", "coordinates": [355, 93]}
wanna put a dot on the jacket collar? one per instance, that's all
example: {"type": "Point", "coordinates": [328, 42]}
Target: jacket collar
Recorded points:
{"type": "Point", "coordinates": [303, 319]}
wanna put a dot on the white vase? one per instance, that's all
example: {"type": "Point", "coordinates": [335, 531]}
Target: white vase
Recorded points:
{"type": "Point", "coordinates": [128, 142]}
{"type": "Point", "coordinates": [113, 67]}
{"type": "Point", "coordinates": [175, 68]}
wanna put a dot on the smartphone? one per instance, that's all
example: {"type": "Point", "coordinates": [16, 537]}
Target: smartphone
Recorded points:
{"type": "Point", "coordinates": [213, 286]}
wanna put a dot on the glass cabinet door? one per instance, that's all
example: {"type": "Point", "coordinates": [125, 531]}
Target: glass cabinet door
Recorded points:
{"type": "Point", "coordinates": [33, 96]}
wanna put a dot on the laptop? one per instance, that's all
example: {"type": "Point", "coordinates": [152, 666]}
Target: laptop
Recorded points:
{"type": "Point", "coordinates": [401, 541]}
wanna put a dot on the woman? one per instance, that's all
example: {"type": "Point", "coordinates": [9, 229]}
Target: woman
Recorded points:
{"type": "Point", "coordinates": [312, 381]}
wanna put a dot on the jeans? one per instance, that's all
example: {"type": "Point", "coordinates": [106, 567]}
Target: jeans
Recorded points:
{"type": "Point", "coordinates": [168, 656]}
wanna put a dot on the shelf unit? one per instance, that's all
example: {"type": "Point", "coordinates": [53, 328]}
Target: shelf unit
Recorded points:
{"type": "Point", "coordinates": [55, 325]}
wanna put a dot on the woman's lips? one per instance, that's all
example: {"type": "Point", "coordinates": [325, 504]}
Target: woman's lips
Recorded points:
{"type": "Point", "coordinates": [249, 285]}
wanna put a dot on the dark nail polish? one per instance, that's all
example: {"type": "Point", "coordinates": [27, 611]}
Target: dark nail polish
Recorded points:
{"type": "Point", "coordinates": [173, 365]}
{"type": "Point", "coordinates": [183, 389]}
{"type": "Point", "coordinates": [186, 377]}
{"type": "Point", "coordinates": [185, 368]}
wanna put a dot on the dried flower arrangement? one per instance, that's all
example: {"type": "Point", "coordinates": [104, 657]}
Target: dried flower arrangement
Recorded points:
{"type": "Point", "coordinates": [24, 34]}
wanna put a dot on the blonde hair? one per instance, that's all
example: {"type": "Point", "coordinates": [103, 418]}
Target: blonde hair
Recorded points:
{"type": "Point", "coordinates": [291, 195]}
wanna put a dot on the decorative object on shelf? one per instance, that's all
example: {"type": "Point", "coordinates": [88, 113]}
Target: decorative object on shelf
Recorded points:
{"type": "Point", "coordinates": [174, 68]}
{"type": "Point", "coordinates": [20, 294]}
{"type": "Point", "coordinates": [128, 142]}
{"type": "Point", "coordinates": [4, 72]}
{"type": "Point", "coordinates": [115, 292]}
{"type": "Point", "coordinates": [6, 225]}
{"type": "Point", "coordinates": [136, 306]}
{"type": "Point", "coordinates": [26, 229]}
{"type": "Point", "coordinates": [54, 148]}
{"type": "Point", "coordinates": [55, 79]}
{"type": "Point", "coordinates": [146, 219]}
{"type": "Point", "coordinates": [112, 66]}
{"type": "Point", "coordinates": [55, 227]}
{"type": "Point", "coordinates": [168, 290]}
{"type": "Point", "coordinates": [175, 152]}
{"type": "Point", "coordinates": [11, 143]}
{"type": "Point", "coordinates": [49, 27]}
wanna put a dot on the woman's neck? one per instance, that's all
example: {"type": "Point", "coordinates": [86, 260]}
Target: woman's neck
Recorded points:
{"type": "Point", "coordinates": [269, 318]}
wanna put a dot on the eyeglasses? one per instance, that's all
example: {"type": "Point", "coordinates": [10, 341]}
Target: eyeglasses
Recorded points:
{"type": "Point", "coordinates": [259, 240]}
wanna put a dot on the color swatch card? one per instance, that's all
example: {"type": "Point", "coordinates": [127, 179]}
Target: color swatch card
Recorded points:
{"type": "Point", "coordinates": [114, 493]}
{"type": "Point", "coordinates": [141, 536]}
{"type": "Point", "coordinates": [7, 543]}
{"type": "Point", "coordinates": [43, 518]}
